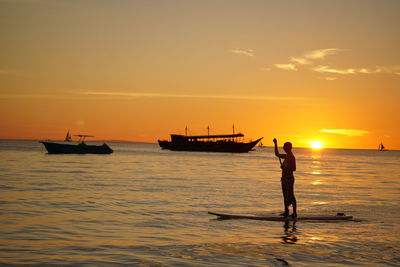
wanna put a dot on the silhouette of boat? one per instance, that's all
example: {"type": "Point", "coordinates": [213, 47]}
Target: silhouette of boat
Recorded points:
{"type": "Point", "coordinates": [80, 148]}
{"type": "Point", "coordinates": [381, 147]}
{"type": "Point", "coordinates": [68, 137]}
{"type": "Point", "coordinates": [208, 143]}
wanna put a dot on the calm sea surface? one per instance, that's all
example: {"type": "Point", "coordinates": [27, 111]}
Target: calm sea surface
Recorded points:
{"type": "Point", "coordinates": [145, 206]}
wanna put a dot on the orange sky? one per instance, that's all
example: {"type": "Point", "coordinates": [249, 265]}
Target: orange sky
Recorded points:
{"type": "Point", "coordinates": [140, 70]}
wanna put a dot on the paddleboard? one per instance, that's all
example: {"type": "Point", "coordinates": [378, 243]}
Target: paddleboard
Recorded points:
{"type": "Point", "coordinates": [338, 217]}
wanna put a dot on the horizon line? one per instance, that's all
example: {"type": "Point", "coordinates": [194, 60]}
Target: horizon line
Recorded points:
{"type": "Point", "coordinates": [144, 142]}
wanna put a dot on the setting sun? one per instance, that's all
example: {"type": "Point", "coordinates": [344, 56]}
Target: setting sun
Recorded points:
{"type": "Point", "coordinates": [316, 145]}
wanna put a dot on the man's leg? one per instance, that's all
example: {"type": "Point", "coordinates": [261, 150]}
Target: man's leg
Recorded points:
{"type": "Point", "coordinates": [292, 198]}
{"type": "Point", "coordinates": [285, 199]}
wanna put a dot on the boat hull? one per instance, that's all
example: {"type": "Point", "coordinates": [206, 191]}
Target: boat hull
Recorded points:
{"type": "Point", "coordinates": [82, 148]}
{"type": "Point", "coordinates": [204, 146]}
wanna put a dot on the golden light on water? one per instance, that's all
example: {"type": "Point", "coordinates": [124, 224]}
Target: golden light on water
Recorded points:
{"type": "Point", "coordinates": [316, 145]}
{"type": "Point", "coordinates": [317, 182]}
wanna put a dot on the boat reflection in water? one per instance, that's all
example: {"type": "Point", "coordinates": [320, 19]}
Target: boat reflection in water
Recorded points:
{"type": "Point", "coordinates": [80, 148]}
{"type": "Point", "coordinates": [208, 143]}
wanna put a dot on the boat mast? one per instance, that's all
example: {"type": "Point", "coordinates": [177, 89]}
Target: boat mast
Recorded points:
{"type": "Point", "coordinates": [208, 130]}
{"type": "Point", "coordinates": [186, 130]}
{"type": "Point", "coordinates": [233, 132]}
{"type": "Point", "coordinates": [68, 137]}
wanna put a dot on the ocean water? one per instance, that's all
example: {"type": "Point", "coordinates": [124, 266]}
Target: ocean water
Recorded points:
{"type": "Point", "coordinates": [143, 206]}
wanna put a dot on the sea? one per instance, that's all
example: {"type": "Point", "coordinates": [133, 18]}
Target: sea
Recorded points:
{"type": "Point", "coordinates": [144, 206]}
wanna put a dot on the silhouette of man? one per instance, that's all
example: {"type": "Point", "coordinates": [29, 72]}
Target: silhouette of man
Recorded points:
{"type": "Point", "coordinates": [287, 181]}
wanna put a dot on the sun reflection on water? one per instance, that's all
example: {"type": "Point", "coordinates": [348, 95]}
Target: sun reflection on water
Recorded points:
{"type": "Point", "coordinates": [319, 202]}
{"type": "Point", "coordinates": [316, 182]}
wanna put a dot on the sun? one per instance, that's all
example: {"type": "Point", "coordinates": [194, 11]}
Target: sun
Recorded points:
{"type": "Point", "coordinates": [316, 145]}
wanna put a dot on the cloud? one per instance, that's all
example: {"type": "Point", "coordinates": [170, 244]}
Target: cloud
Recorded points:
{"type": "Point", "coordinates": [367, 71]}
{"type": "Point", "coordinates": [288, 66]}
{"type": "Point", "coordinates": [75, 95]}
{"type": "Point", "coordinates": [29, 96]}
{"type": "Point", "coordinates": [393, 69]}
{"type": "Point", "coordinates": [322, 53]}
{"type": "Point", "coordinates": [245, 52]}
{"type": "Point", "coordinates": [347, 132]}
{"type": "Point", "coordinates": [163, 95]}
{"type": "Point", "coordinates": [300, 60]}
{"type": "Point", "coordinates": [307, 58]}
{"type": "Point", "coordinates": [5, 72]}
{"type": "Point", "coordinates": [326, 69]}
{"type": "Point", "coordinates": [331, 78]}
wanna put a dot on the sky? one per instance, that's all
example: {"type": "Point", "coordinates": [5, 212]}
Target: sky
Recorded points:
{"type": "Point", "coordinates": [300, 71]}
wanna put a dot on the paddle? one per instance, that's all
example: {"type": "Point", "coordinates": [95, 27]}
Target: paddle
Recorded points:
{"type": "Point", "coordinates": [276, 150]}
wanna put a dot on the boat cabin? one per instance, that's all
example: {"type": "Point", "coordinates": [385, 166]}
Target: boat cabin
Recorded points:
{"type": "Point", "coordinates": [176, 138]}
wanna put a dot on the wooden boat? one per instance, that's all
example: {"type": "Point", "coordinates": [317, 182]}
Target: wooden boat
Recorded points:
{"type": "Point", "coordinates": [208, 143]}
{"type": "Point", "coordinates": [80, 148]}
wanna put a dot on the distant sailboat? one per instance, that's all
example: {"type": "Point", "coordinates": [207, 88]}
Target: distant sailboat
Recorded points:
{"type": "Point", "coordinates": [68, 137]}
{"type": "Point", "coordinates": [381, 147]}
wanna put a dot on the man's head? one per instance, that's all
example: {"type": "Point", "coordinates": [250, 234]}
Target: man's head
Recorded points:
{"type": "Point", "coordinates": [287, 147]}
